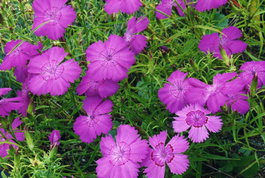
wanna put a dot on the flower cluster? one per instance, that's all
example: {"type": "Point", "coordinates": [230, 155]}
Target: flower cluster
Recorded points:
{"type": "Point", "coordinates": [194, 102]}
{"type": "Point", "coordinates": [40, 72]}
{"type": "Point", "coordinates": [187, 97]}
{"type": "Point", "coordinates": [109, 64]}
{"type": "Point", "coordinates": [124, 156]}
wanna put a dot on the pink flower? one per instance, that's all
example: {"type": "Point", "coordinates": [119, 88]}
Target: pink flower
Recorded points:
{"type": "Point", "coordinates": [91, 87]}
{"type": "Point", "coordinates": [8, 104]}
{"type": "Point", "coordinates": [214, 96]}
{"type": "Point", "coordinates": [203, 5]}
{"type": "Point", "coordinates": [125, 6]}
{"type": "Point", "coordinates": [197, 119]}
{"type": "Point", "coordinates": [109, 60]}
{"type": "Point", "coordinates": [50, 74]}
{"type": "Point", "coordinates": [237, 96]}
{"type": "Point", "coordinates": [21, 73]}
{"type": "Point", "coordinates": [18, 53]}
{"type": "Point", "coordinates": [121, 157]}
{"type": "Point", "coordinates": [4, 91]}
{"type": "Point", "coordinates": [253, 69]}
{"type": "Point", "coordinates": [54, 138]}
{"type": "Point", "coordinates": [170, 154]}
{"type": "Point", "coordinates": [136, 42]}
{"type": "Point", "coordinates": [97, 120]}
{"type": "Point", "coordinates": [52, 17]}
{"type": "Point", "coordinates": [239, 102]}
{"type": "Point", "coordinates": [228, 41]}
{"type": "Point", "coordinates": [19, 135]}
{"type": "Point", "coordinates": [166, 7]}
{"type": "Point", "coordinates": [173, 93]}
{"type": "Point", "coordinates": [25, 100]}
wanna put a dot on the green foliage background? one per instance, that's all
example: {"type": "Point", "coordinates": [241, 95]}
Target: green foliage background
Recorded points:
{"type": "Point", "coordinates": [237, 151]}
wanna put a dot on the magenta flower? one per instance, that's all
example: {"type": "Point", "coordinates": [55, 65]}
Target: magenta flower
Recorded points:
{"type": "Point", "coordinates": [239, 102]}
{"type": "Point", "coordinates": [197, 119]}
{"type": "Point", "coordinates": [125, 6]}
{"type": "Point", "coordinates": [237, 96]}
{"type": "Point", "coordinates": [19, 134]}
{"type": "Point", "coordinates": [52, 17]}
{"type": "Point", "coordinates": [173, 93]}
{"type": "Point", "coordinates": [121, 157]}
{"type": "Point", "coordinates": [214, 96]}
{"type": "Point", "coordinates": [228, 41]}
{"type": "Point", "coordinates": [54, 138]}
{"type": "Point", "coordinates": [5, 136]}
{"type": "Point", "coordinates": [50, 74]}
{"type": "Point", "coordinates": [8, 104]}
{"type": "Point", "coordinates": [97, 120]}
{"type": "Point", "coordinates": [91, 87]}
{"type": "Point", "coordinates": [25, 100]}
{"type": "Point", "coordinates": [18, 53]}
{"type": "Point", "coordinates": [253, 69]}
{"type": "Point", "coordinates": [204, 5]}
{"type": "Point", "coordinates": [4, 147]}
{"type": "Point", "coordinates": [21, 73]}
{"type": "Point", "coordinates": [166, 7]}
{"type": "Point", "coordinates": [136, 42]}
{"type": "Point", "coordinates": [4, 91]}
{"type": "Point", "coordinates": [170, 154]}
{"type": "Point", "coordinates": [109, 60]}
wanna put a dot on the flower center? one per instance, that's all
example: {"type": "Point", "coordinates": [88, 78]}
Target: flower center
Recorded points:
{"type": "Point", "coordinates": [211, 89]}
{"type": "Point", "coordinates": [223, 40]}
{"type": "Point", "coordinates": [162, 154]}
{"type": "Point", "coordinates": [109, 57]}
{"type": "Point", "coordinates": [176, 89]}
{"type": "Point", "coordinates": [93, 84]}
{"type": "Point", "coordinates": [120, 154]}
{"type": "Point", "coordinates": [51, 71]}
{"type": "Point", "coordinates": [17, 51]}
{"type": "Point", "coordinates": [53, 14]}
{"type": "Point", "coordinates": [196, 118]}
{"type": "Point", "coordinates": [91, 121]}
{"type": "Point", "coordinates": [128, 36]}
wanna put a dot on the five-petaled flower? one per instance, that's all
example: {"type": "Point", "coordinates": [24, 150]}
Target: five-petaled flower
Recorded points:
{"type": "Point", "coordinates": [162, 154]}
{"type": "Point", "coordinates": [228, 42]}
{"type": "Point", "coordinates": [198, 120]}
{"type": "Point", "coordinates": [52, 17]}
{"type": "Point", "coordinates": [50, 74]}
{"type": "Point", "coordinates": [109, 60]}
{"type": "Point", "coordinates": [136, 41]}
{"type": "Point", "coordinates": [18, 53]}
{"type": "Point", "coordinates": [174, 92]}
{"type": "Point", "coordinates": [97, 121]}
{"type": "Point", "coordinates": [122, 156]}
